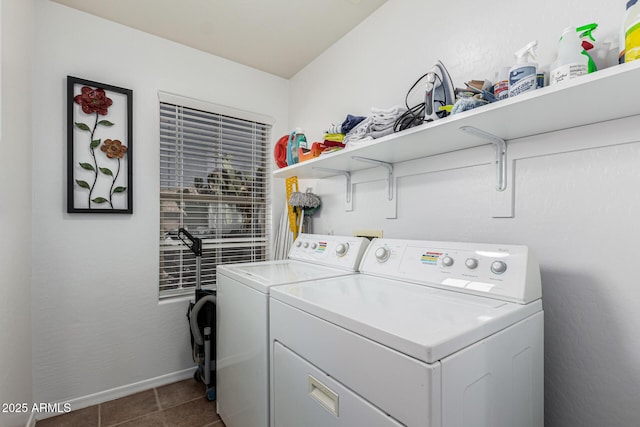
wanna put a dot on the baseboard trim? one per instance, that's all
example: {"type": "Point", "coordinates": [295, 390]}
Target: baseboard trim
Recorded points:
{"type": "Point", "coordinates": [115, 393]}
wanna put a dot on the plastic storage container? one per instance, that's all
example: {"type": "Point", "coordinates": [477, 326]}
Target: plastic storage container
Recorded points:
{"type": "Point", "coordinates": [296, 141]}
{"type": "Point", "coordinates": [571, 62]}
{"type": "Point", "coordinates": [632, 31]}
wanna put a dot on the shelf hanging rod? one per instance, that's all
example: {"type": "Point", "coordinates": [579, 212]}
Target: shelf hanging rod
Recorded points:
{"type": "Point", "coordinates": [388, 166]}
{"type": "Point", "coordinates": [501, 154]}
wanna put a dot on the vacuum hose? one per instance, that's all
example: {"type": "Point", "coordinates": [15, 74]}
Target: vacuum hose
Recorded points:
{"type": "Point", "coordinates": [193, 321]}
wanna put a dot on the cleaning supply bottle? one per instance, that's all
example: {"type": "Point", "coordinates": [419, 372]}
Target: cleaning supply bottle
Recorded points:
{"type": "Point", "coordinates": [571, 62]}
{"type": "Point", "coordinates": [501, 86]}
{"type": "Point", "coordinates": [622, 45]}
{"type": "Point", "coordinates": [632, 31]}
{"type": "Point", "coordinates": [522, 76]}
{"type": "Point", "coordinates": [296, 140]}
{"type": "Point", "coordinates": [586, 38]}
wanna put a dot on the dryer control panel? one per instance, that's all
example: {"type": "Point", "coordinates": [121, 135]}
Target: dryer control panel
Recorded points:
{"type": "Point", "coordinates": [335, 251]}
{"type": "Point", "coordinates": [506, 272]}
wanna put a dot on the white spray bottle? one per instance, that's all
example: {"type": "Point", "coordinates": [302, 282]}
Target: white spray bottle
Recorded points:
{"type": "Point", "coordinates": [522, 76]}
{"type": "Point", "coordinates": [571, 62]}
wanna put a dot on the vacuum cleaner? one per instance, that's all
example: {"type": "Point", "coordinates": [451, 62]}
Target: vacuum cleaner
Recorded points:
{"type": "Point", "coordinates": [202, 322]}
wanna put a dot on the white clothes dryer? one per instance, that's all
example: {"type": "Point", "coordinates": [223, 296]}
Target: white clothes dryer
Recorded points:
{"type": "Point", "coordinates": [429, 334]}
{"type": "Point", "coordinates": [242, 319]}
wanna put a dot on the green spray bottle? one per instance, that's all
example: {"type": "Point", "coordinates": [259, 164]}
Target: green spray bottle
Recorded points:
{"type": "Point", "coordinates": [585, 33]}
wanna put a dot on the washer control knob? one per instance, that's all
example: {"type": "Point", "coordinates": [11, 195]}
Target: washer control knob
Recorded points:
{"type": "Point", "coordinates": [314, 245]}
{"type": "Point", "coordinates": [471, 263]}
{"type": "Point", "coordinates": [382, 254]}
{"type": "Point", "coordinates": [498, 267]}
{"type": "Point", "coordinates": [298, 244]}
{"type": "Point", "coordinates": [447, 261]}
{"type": "Point", "coordinates": [306, 244]}
{"type": "Point", "coordinates": [342, 249]}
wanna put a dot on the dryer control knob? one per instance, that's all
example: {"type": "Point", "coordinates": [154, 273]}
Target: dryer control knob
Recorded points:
{"type": "Point", "coordinates": [298, 244]}
{"type": "Point", "coordinates": [314, 245]}
{"type": "Point", "coordinates": [471, 263]}
{"type": "Point", "coordinates": [342, 249]}
{"type": "Point", "coordinates": [498, 267]}
{"type": "Point", "coordinates": [306, 244]}
{"type": "Point", "coordinates": [382, 254]}
{"type": "Point", "coordinates": [447, 261]}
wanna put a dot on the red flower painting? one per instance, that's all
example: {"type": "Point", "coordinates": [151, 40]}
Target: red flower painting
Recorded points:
{"type": "Point", "coordinates": [95, 101]}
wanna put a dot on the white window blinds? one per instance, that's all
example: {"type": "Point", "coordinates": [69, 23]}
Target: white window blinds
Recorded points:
{"type": "Point", "coordinates": [214, 183]}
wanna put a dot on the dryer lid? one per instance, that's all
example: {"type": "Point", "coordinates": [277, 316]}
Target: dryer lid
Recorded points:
{"type": "Point", "coordinates": [422, 322]}
{"type": "Point", "coordinates": [263, 275]}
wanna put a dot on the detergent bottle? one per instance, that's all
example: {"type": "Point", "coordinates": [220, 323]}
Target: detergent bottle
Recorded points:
{"type": "Point", "coordinates": [632, 31]}
{"type": "Point", "coordinates": [571, 62]}
{"type": "Point", "coordinates": [296, 140]}
{"type": "Point", "coordinates": [522, 76]}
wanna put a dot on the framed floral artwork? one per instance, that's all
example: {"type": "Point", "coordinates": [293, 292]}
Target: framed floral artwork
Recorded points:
{"type": "Point", "coordinates": [99, 147]}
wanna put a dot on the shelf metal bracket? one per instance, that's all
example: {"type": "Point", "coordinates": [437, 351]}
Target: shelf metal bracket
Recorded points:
{"type": "Point", "coordinates": [348, 206]}
{"type": "Point", "coordinates": [501, 154]}
{"type": "Point", "coordinates": [392, 184]}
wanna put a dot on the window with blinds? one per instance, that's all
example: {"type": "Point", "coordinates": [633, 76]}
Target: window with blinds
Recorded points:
{"type": "Point", "coordinates": [214, 183]}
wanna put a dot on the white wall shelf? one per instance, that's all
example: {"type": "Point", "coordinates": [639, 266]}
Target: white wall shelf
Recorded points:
{"type": "Point", "coordinates": [609, 94]}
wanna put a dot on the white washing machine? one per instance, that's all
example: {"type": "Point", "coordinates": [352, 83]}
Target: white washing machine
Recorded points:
{"type": "Point", "coordinates": [429, 334]}
{"type": "Point", "coordinates": [242, 319]}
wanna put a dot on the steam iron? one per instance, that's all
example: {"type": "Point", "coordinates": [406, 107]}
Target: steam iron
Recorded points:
{"type": "Point", "coordinates": [440, 92]}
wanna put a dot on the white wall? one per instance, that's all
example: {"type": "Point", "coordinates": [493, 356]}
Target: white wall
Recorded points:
{"type": "Point", "coordinates": [97, 323]}
{"type": "Point", "coordinates": [15, 222]}
{"type": "Point", "coordinates": [576, 200]}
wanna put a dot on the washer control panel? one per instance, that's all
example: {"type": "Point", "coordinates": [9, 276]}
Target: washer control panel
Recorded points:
{"type": "Point", "coordinates": [335, 251]}
{"type": "Point", "coordinates": [506, 272]}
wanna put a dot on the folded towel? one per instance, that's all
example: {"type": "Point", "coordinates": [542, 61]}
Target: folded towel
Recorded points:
{"type": "Point", "coordinates": [333, 129]}
{"type": "Point", "coordinates": [380, 133]}
{"type": "Point", "coordinates": [350, 122]}
{"type": "Point", "coordinates": [387, 113]}
{"type": "Point", "coordinates": [360, 131]}
{"type": "Point", "coordinates": [357, 142]}
{"type": "Point", "coordinates": [337, 137]}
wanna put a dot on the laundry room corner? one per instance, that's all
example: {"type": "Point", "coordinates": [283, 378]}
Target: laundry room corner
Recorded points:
{"type": "Point", "coordinates": [98, 324]}
{"type": "Point", "coordinates": [571, 190]}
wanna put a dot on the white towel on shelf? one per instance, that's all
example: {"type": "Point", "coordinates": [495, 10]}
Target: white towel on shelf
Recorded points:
{"type": "Point", "coordinates": [380, 123]}
{"type": "Point", "coordinates": [384, 119]}
{"type": "Point", "coordinates": [359, 132]}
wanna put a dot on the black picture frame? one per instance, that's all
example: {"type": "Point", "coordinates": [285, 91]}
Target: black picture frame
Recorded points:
{"type": "Point", "coordinates": [99, 147]}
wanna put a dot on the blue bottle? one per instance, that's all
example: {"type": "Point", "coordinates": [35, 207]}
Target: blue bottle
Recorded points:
{"type": "Point", "coordinates": [296, 140]}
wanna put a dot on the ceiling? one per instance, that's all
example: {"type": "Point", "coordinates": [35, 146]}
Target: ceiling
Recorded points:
{"type": "Point", "coordinates": [277, 36]}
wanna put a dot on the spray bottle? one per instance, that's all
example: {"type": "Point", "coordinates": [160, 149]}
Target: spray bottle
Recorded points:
{"type": "Point", "coordinates": [587, 38]}
{"type": "Point", "coordinates": [522, 76]}
{"type": "Point", "coordinates": [571, 62]}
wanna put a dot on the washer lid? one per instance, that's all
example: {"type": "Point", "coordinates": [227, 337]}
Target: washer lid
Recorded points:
{"type": "Point", "coordinates": [425, 323]}
{"type": "Point", "coordinates": [262, 275]}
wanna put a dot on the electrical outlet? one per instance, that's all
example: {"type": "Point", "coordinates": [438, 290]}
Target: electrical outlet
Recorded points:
{"type": "Point", "coordinates": [369, 234]}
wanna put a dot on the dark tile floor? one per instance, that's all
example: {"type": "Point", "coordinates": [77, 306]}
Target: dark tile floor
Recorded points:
{"type": "Point", "coordinates": [174, 405]}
